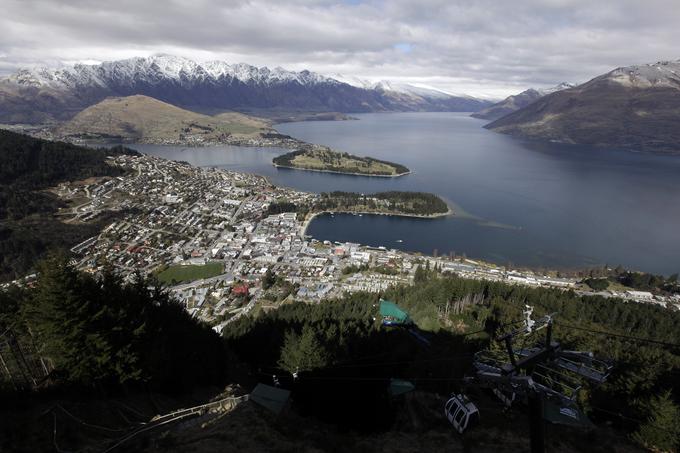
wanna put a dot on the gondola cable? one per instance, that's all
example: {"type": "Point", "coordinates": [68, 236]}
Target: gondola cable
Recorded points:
{"type": "Point", "coordinates": [618, 335]}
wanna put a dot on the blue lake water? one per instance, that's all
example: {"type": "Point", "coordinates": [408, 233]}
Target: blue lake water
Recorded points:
{"type": "Point", "coordinates": [526, 203]}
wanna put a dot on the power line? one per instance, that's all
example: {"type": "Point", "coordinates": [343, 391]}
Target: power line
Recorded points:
{"type": "Point", "coordinates": [449, 358]}
{"type": "Point", "coordinates": [59, 406]}
{"type": "Point", "coordinates": [374, 378]}
{"type": "Point", "coordinates": [370, 378]}
{"type": "Point", "coordinates": [631, 419]}
{"type": "Point", "coordinates": [502, 326]}
{"type": "Point", "coordinates": [618, 335]}
{"type": "Point", "coordinates": [354, 363]}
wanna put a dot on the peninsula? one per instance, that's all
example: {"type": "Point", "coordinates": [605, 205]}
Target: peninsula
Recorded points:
{"type": "Point", "coordinates": [413, 204]}
{"type": "Point", "coordinates": [394, 203]}
{"type": "Point", "coordinates": [316, 158]}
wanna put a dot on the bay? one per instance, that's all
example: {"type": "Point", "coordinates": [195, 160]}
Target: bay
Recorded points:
{"type": "Point", "coordinates": [519, 202]}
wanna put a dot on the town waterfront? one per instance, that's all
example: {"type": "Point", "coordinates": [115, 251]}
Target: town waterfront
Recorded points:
{"type": "Point", "coordinates": [519, 202]}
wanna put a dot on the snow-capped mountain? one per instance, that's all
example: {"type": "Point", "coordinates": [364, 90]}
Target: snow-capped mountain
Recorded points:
{"type": "Point", "coordinates": [397, 87]}
{"type": "Point", "coordinates": [33, 95]}
{"type": "Point", "coordinates": [413, 95]}
{"type": "Point", "coordinates": [518, 101]}
{"type": "Point", "coordinates": [556, 88]}
{"type": "Point", "coordinates": [636, 107]}
{"type": "Point", "coordinates": [159, 69]}
{"type": "Point", "coordinates": [354, 81]}
{"type": "Point", "coordinates": [663, 74]}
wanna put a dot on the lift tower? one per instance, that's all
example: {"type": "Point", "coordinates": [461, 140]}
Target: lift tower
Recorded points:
{"type": "Point", "coordinates": [540, 375]}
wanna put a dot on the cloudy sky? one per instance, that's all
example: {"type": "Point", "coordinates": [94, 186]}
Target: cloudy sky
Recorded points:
{"type": "Point", "coordinates": [487, 48]}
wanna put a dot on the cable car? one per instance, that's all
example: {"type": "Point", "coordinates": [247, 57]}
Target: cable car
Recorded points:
{"type": "Point", "coordinates": [461, 412]}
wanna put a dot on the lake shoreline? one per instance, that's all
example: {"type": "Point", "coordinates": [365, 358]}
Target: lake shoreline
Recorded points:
{"type": "Point", "coordinates": [310, 217]}
{"type": "Point", "coordinates": [533, 205]}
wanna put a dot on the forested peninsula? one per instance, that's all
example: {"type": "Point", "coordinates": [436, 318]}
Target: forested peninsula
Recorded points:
{"type": "Point", "coordinates": [326, 160]}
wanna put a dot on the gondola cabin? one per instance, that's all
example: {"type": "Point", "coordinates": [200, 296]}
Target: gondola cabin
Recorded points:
{"type": "Point", "coordinates": [392, 315]}
{"type": "Point", "coordinates": [461, 413]}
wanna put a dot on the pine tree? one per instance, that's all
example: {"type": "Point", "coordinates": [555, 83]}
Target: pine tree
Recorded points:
{"type": "Point", "coordinates": [81, 324]}
{"type": "Point", "coordinates": [661, 431]}
{"type": "Point", "coordinates": [268, 280]}
{"type": "Point", "coordinates": [102, 331]}
{"type": "Point", "coordinates": [302, 352]}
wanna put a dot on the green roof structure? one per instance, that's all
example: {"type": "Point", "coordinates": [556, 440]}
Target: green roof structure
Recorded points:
{"type": "Point", "coordinates": [400, 386]}
{"type": "Point", "coordinates": [390, 310]}
{"type": "Point", "coordinates": [271, 398]}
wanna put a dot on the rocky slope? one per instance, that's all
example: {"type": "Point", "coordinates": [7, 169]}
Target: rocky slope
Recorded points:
{"type": "Point", "coordinates": [43, 94]}
{"type": "Point", "coordinates": [634, 107]}
{"type": "Point", "coordinates": [144, 119]}
{"type": "Point", "coordinates": [517, 101]}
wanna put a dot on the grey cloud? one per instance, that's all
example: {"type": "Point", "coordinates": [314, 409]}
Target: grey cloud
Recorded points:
{"type": "Point", "coordinates": [488, 47]}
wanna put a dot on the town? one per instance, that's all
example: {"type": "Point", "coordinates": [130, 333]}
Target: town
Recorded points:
{"type": "Point", "coordinates": [212, 238]}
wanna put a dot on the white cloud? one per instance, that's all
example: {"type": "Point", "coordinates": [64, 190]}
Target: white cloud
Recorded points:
{"type": "Point", "coordinates": [484, 47]}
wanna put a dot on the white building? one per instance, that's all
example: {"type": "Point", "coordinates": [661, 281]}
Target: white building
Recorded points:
{"type": "Point", "coordinates": [640, 295]}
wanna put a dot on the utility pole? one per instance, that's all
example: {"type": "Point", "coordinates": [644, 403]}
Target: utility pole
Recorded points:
{"type": "Point", "coordinates": [536, 423]}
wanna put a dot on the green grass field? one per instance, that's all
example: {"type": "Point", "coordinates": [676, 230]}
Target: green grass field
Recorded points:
{"type": "Point", "coordinates": [190, 273]}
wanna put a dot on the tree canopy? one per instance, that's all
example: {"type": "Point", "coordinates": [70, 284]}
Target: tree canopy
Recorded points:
{"type": "Point", "coordinates": [102, 331]}
{"type": "Point", "coordinates": [27, 226]}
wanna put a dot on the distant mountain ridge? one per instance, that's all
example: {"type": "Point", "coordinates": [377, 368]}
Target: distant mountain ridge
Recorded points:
{"type": "Point", "coordinates": [36, 95]}
{"type": "Point", "coordinates": [634, 107]}
{"type": "Point", "coordinates": [518, 101]}
{"type": "Point", "coordinates": [412, 96]}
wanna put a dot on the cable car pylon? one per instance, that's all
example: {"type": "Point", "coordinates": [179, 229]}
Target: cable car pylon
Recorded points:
{"type": "Point", "coordinates": [545, 376]}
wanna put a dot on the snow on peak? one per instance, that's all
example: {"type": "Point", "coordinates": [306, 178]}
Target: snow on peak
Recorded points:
{"type": "Point", "coordinates": [395, 87]}
{"type": "Point", "coordinates": [556, 88]}
{"type": "Point", "coordinates": [660, 74]}
{"type": "Point", "coordinates": [354, 81]}
{"type": "Point", "coordinates": [159, 68]}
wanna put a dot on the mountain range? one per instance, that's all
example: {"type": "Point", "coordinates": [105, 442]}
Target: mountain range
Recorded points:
{"type": "Point", "coordinates": [518, 101]}
{"type": "Point", "coordinates": [42, 94]}
{"type": "Point", "coordinates": [634, 107]}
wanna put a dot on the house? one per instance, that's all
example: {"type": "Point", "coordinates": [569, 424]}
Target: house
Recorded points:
{"type": "Point", "coordinates": [240, 289]}
{"type": "Point", "coordinates": [640, 295]}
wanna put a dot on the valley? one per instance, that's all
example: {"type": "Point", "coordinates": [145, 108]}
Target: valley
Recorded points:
{"type": "Point", "coordinates": [517, 101]}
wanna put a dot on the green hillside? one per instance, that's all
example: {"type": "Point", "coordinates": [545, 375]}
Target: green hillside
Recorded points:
{"type": "Point", "coordinates": [148, 120]}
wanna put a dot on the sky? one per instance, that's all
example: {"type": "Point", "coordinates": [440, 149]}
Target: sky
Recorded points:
{"type": "Point", "coordinates": [486, 48]}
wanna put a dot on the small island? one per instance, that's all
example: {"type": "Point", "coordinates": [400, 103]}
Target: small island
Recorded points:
{"type": "Point", "coordinates": [326, 160]}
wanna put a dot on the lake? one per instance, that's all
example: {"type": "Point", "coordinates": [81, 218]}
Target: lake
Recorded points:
{"type": "Point", "coordinates": [520, 202]}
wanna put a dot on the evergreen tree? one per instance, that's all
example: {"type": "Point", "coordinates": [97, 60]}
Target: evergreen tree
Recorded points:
{"type": "Point", "coordinates": [661, 431]}
{"type": "Point", "coordinates": [302, 352]}
{"type": "Point", "coordinates": [101, 331]}
{"type": "Point", "coordinates": [66, 320]}
{"type": "Point", "coordinates": [268, 280]}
